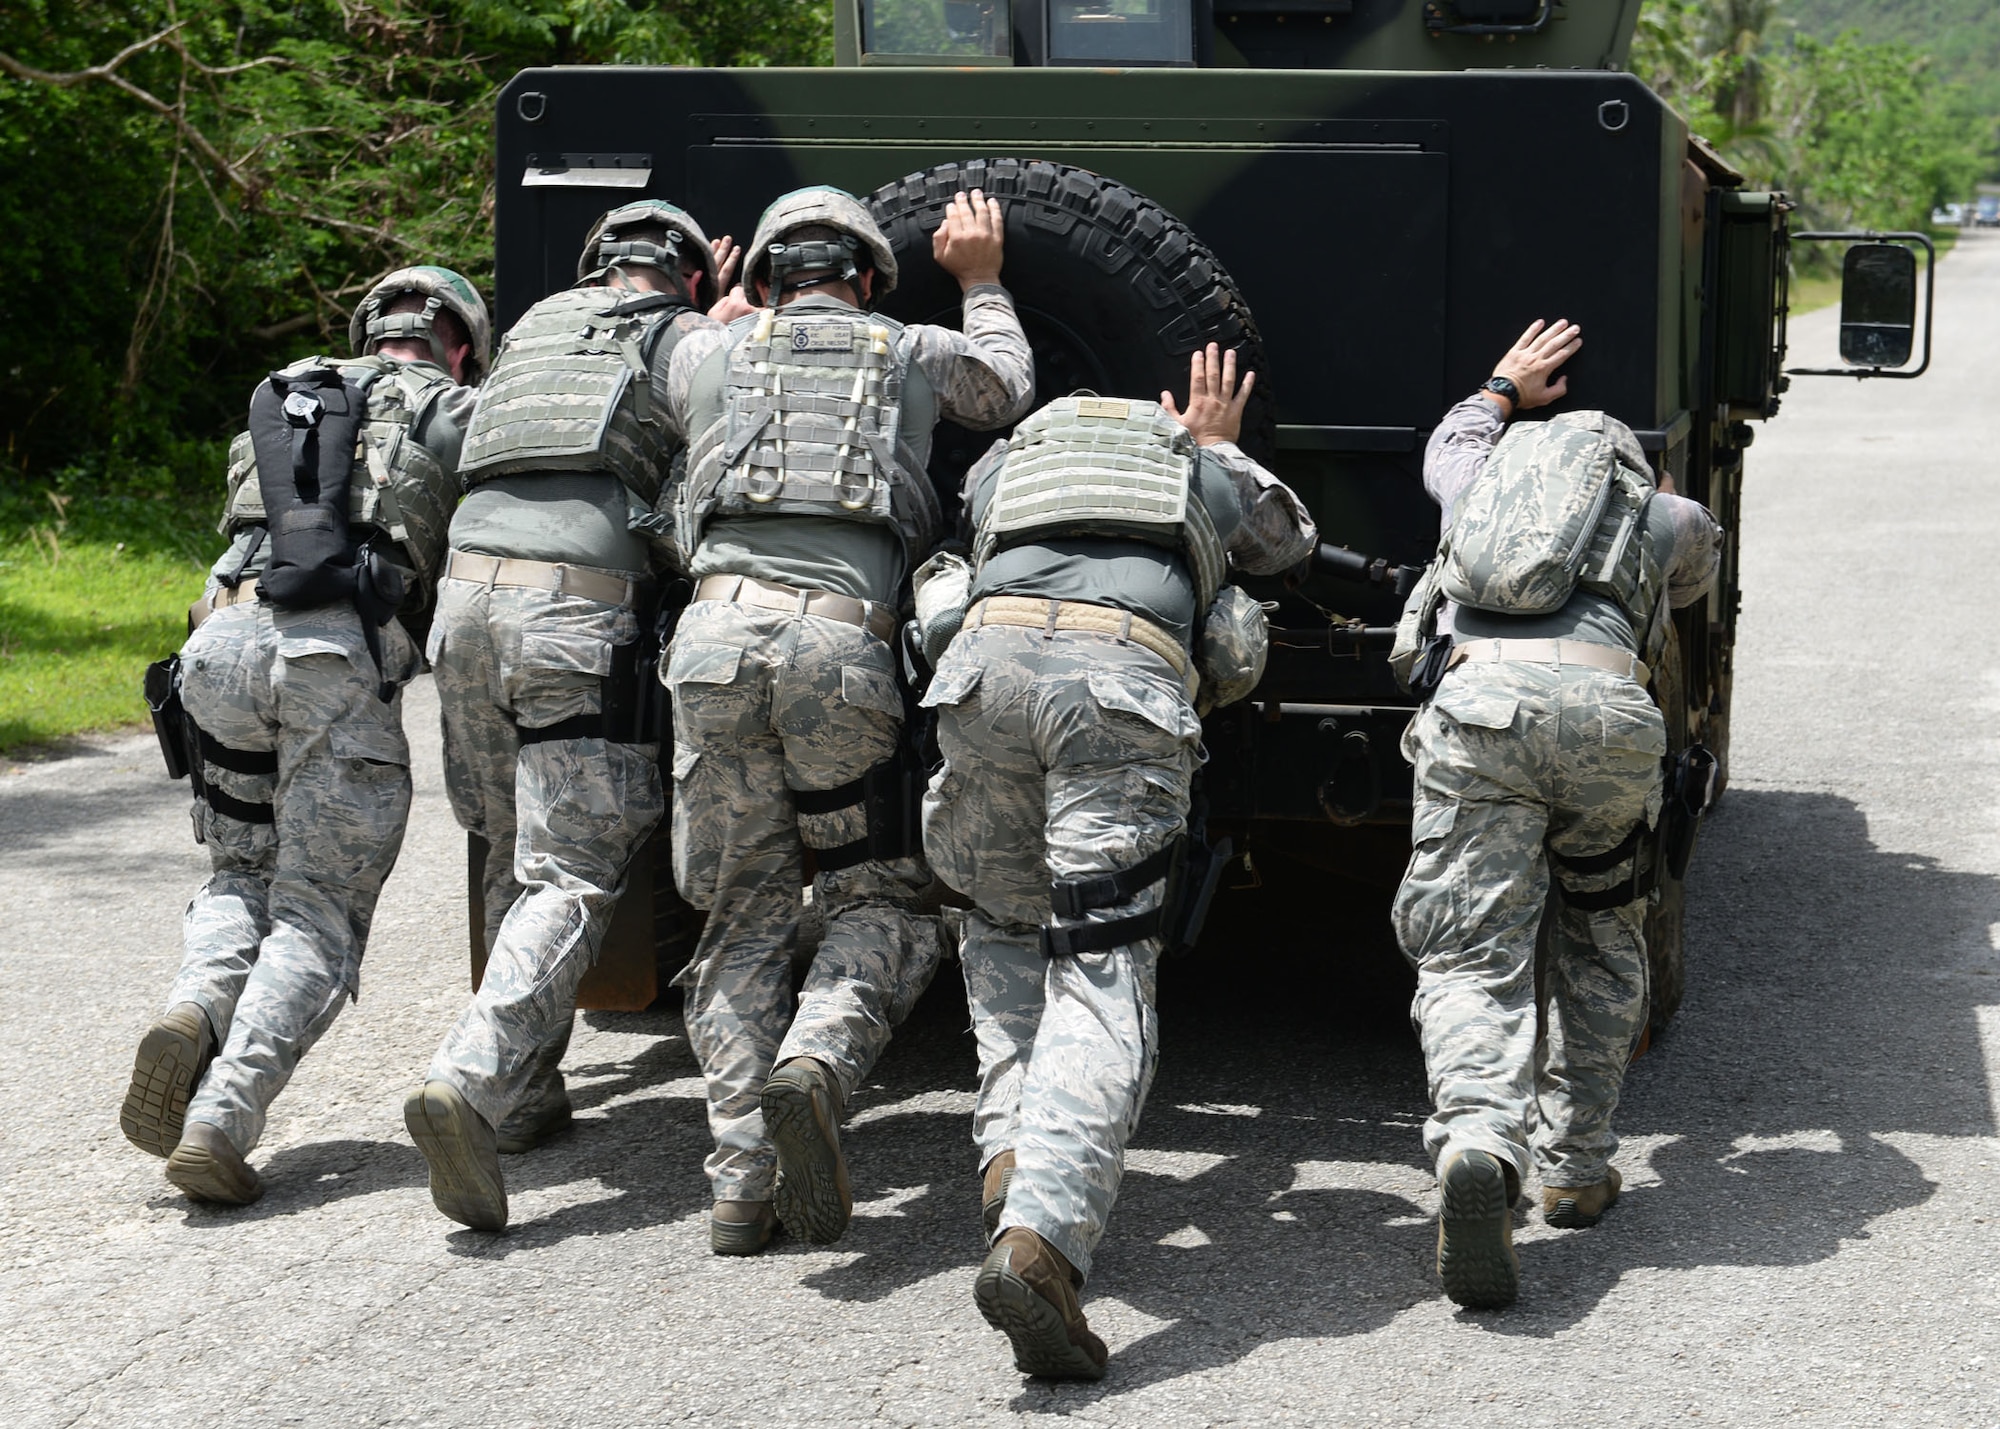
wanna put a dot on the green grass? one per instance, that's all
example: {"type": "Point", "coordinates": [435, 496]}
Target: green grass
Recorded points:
{"type": "Point", "coordinates": [87, 599]}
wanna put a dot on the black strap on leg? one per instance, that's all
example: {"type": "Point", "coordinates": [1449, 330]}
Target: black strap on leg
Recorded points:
{"type": "Point", "coordinates": [590, 726]}
{"type": "Point", "coordinates": [886, 792]}
{"type": "Point", "coordinates": [1073, 897]}
{"type": "Point", "coordinates": [206, 747]}
{"type": "Point", "coordinates": [1062, 942]}
{"type": "Point", "coordinates": [1630, 889]}
{"type": "Point", "coordinates": [241, 810]}
{"type": "Point", "coordinates": [236, 761]}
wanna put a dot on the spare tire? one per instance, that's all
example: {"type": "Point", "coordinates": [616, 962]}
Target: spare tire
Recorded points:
{"type": "Point", "coordinates": [1113, 291]}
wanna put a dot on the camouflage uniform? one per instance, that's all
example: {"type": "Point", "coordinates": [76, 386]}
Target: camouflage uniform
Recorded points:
{"type": "Point", "coordinates": [561, 818]}
{"type": "Point", "coordinates": [1516, 761]}
{"type": "Point", "coordinates": [771, 703]}
{"type": "Point", "coordinates": [1069, 754]}
{"type": "Point", "coordinates": [767, 704]}
{"type": "Point", "coordinates": [274, 938]}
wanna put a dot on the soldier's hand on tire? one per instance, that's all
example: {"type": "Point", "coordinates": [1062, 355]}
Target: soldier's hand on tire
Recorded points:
{"type": "Point", "coordinates": [968, 243]}
{"type": "Point", "coordinates": [1215, 401]}
{"type": "Point", "coordinates": [1533, 359]}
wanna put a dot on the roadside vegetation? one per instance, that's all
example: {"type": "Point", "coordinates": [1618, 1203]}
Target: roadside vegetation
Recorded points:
{"type": "Point", "coordinates": [196, 191]}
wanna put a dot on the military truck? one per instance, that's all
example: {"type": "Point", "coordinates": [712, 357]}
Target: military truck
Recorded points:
{"type": "Point", "coordinates": [1368, 198]}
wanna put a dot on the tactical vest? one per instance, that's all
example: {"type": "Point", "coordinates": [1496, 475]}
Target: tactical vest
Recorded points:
{"type": "Point", "coordinates": [579, 385]}
{"type": "Point", "coordinates": [807, 420]}
{"type": "Point", "coordinates": [1557, 507]}
{"type": "Point", "coordinates": [1094, 466]}
{"type": "Point", "coordinates": [397, 485]}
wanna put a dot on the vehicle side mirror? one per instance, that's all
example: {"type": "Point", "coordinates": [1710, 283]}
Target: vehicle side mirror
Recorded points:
{"type": "Point", "coordinates": [1878, 305]}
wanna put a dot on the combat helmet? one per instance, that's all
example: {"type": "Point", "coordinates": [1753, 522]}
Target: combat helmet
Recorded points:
{"type": "Point", "coordinates": [443, 289]}
{"type": "Point", "coordinates": [607, 244]}
{"type": "Point", "coordinates": [835, 208]}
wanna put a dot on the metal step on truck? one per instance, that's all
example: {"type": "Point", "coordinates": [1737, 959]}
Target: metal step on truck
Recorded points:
{"type": "Point", "coordinates": [1368, 199]}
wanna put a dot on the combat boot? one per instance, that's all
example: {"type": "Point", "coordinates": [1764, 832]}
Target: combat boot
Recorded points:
{"type": "Point", "coordinates": [741, 1227]}
{"type": "Point", "coordinates": [537, 1118]}
{"type": "Point", "coordinates": [1475, 1254]}
{"type": "Point", "coordinates": [802, 1118]}
{"type": "Point", "coordinates": [543, 1112]}
{"type": "Point", "coordinates": [993, 1188]}
{"type": "Point", "coordinates": [208, 1167]}
{"type": "Point", "coordinates": [1573, 1207]}
{"type": "Point", "coordinates": [1027, 1291]}
{"type": "Point", "coordinates": [173, 1056]}
{"type": "Point", "coordinates": [465, 1164]}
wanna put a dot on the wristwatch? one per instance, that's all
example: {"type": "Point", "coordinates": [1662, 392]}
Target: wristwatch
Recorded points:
{"type": "Point", "coordinates": [1503, 387]}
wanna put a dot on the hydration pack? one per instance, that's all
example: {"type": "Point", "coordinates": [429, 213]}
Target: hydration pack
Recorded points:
{"type": "Point", "coordinates": [1095, 466]}
{"type": "Point", "coordinates": [1560, 504]}
{"type": "Point", "coordinates": [397, 486]}
{"type": "Point", "coordinates": [577, 386]}
{"type": "Point", "coordinates": [808, 421]}
{"type": "Point", "coordinates": [304, 426]}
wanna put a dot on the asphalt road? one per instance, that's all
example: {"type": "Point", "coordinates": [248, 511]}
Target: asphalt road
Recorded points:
{"type": "Point", "coordinates": [1808, 1233]}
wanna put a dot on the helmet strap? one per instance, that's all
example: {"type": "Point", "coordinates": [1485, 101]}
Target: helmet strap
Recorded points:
{"type": "Point", "coordinates": [404, 327]}
{"type": "Point", "coordinates": [818, 259]}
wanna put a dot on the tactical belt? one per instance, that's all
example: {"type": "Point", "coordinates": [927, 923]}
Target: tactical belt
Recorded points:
{"type": "Point", "coordinates": [1074, 897]}
{"type": "Point", "coordinates": [586, 581]}
{"type": "Point", "coordinates": [1552, 652]}
{"type": "Point", "coordinates": [224, 597]}
{"type": "Point", "coordinates": [1054, 615]}
{"type": "Point", "coordinates": [878, 620]}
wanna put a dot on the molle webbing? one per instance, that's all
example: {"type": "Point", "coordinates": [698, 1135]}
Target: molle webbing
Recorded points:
{"type": "Point", "coordinates": [573, 389]}
{"type": "Point", "coordinates": [1092, 466]}
{"type": "Point", "coordinates": [810, 424]}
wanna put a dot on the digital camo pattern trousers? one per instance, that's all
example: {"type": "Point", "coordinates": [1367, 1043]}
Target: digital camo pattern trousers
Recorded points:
{"type": "Point", "coordinates": [561, 818]}
{"type": "Point", "coordinates": [767, 703]}
{"type": "Point", "coordinates": [273, 941]}
{"type": "Point", "coordinates": [1515, 760]}
{"type": "Point", "coordinates": [1065, 755]}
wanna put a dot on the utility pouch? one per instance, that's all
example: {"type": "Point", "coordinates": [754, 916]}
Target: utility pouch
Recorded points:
{"type": "Point", "coordinates": [1433, 659]}
{"type": "Point", "coordinates": [170, 725]}
{"type": "Point", "coordinates": [1692, 777]}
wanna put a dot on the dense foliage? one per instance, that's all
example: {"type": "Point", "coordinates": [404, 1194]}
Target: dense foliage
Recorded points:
{"type": "Point", "coordinates": [195, 189]}
{"type": "Point", "coordinates": [1862, 134]}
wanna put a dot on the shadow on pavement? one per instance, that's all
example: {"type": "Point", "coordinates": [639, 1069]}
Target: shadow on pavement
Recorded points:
{"type": "Point", "coordinates": [1833, 988]}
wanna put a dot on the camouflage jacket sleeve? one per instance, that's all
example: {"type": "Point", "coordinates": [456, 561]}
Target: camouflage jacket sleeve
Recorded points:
{"type": "Point", "coordinates": [1697, 548]}
{"type": "Point", "coordinates": [701, 338]}
{"type": "Point", "coordinates": [1458, 450]}
{"type": "Point", "coordinates": [984, 376]}
{"type": "Point", "coordinates": [1276, 531]}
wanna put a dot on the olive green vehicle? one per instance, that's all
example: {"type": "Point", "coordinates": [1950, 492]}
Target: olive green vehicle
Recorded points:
{"type": "Point", "coordinates": [1369, 198]}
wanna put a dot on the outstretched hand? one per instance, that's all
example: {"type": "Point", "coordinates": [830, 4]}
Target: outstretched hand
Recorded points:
{"type": "Point", "coordinates": [733, 302]}
{"type": "Point", "coordinates": [1533, 359]}
{"type": "Point", "coordinates": [1215, 401]}
{"type": "Point", "coordinates": [968, 244]}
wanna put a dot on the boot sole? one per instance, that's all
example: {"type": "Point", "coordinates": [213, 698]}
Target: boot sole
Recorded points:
{"type": "Point", "coordinates": [206, 1177]}
{"type": "Point", "coordinates": [725, 1238]}
{"type": "Point", "coordinates": [517, 1141]}
{"type": "Point", "coordinates": [1567, 1214]}
{"type": "Point", "coordinates": [1031, 1324]}
{"type": "Point", "coordinates": [1475, 1261]}
{"type": "Point", "coordinates": [164, 1073]}
{"type": "Point", "coordinates": [464, 1189]}
{"type": "Point", "coordinates": [814, 1199]}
